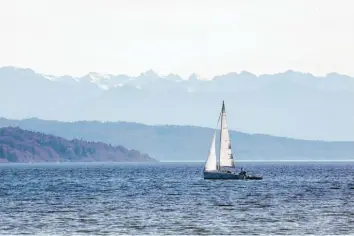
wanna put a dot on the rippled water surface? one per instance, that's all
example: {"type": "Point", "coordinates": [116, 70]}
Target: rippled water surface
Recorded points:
{"type": "Point", "coordinates": [112, 198]}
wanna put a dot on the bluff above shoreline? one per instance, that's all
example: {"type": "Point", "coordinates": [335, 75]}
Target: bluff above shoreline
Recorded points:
{"type": "Point", "coordinates": [19, 145]}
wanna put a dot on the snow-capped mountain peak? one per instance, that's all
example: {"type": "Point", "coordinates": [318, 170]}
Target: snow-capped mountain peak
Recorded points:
{"type": "Point", "coordinates": [194, 77]}
{"type": "Point", "coordinates": [149, 74]}
{"type": "Point", "coordinates": [173, 77]}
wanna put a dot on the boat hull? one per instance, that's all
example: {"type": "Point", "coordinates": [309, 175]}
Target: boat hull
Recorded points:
{"type": "Point", "coordinates": [222, 175]}
{"type": "Point", "coordinates": [226, 175]}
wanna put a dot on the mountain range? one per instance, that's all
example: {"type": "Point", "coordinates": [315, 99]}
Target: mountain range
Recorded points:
{"type": "Point", "coordinates": [187, 143]}
{"type": "Point", "coordinates": [291, 104]}
{"type": "Point", "coordinates": [18, 145]}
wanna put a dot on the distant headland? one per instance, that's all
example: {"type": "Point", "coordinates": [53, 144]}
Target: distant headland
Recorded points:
{"type": "Point", "coordinates": [19, 145]}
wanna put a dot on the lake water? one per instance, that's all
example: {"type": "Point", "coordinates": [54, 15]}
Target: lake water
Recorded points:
{"type": "Point", "coordinates": [171, 198]}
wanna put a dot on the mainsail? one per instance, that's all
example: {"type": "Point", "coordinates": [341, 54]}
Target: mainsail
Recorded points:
{"type": "Point", "coordinates": [226, 159]}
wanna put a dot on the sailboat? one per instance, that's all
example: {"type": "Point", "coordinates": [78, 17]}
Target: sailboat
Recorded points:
{"type": "Point", "coordinates": [224, 166]}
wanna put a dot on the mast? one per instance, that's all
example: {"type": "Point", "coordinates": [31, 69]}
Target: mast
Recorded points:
{"type": "Point", "coordinates": [221, 113]}
{"type": "Point", "coordinates": [226, 159]}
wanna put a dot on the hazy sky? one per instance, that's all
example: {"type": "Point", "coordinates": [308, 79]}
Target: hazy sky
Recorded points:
{"type": "Point", "coordinates": [183, 36]}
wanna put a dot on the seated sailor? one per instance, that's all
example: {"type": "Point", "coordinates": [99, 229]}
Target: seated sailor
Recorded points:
{"type": "Point", "coordinates": [243, 172]}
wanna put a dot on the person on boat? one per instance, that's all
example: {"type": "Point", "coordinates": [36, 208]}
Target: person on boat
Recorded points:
{"type": "Point", "coordinates": [242, 172]}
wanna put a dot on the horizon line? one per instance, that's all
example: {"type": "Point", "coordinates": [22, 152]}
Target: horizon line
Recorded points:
{"type": "Point", "coordinates": [270, 161]}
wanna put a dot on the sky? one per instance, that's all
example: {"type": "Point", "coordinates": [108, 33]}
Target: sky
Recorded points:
{"type": "Point", "coordinates": [183, 36]}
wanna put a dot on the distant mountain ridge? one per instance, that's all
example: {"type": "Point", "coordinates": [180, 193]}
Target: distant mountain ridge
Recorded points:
{"type": "Point", "coordinates": [290, 104]}
{"type": "Point", "coordinates": [187, 143]}
{"type": "Point", "coordinates": [149, 79]}
{"type": "Point", "coordinates": [18, 145]}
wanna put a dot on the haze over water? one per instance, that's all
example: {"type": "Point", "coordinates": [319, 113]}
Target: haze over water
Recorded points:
{"type": "Point", "coordinates": [115, 198]}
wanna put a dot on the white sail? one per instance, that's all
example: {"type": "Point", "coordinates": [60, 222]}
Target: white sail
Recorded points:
{"type": "Point", "coordinates": [211, 162]}
{"type": "Point", "coordinates": [226, 159]}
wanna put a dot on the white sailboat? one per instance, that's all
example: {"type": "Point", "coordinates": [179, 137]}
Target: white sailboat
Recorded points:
{"type": "Point", "coordinates": [224, 166]}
